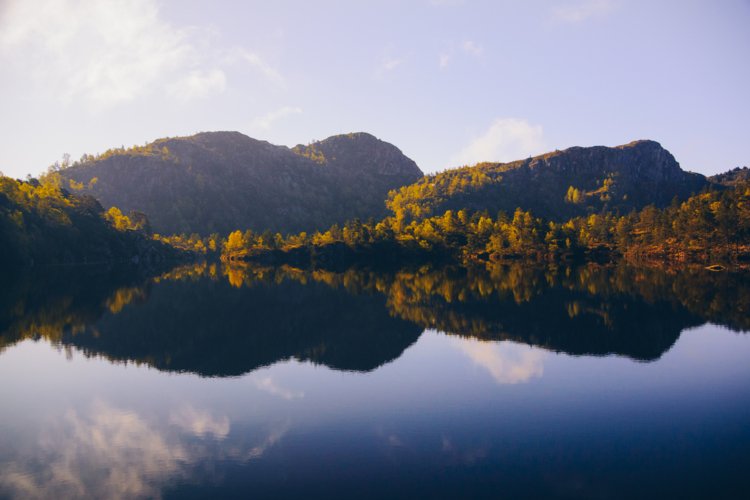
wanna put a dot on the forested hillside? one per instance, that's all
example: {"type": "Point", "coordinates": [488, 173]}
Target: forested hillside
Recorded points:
{"type": "Point", "coordinates": [327, 201]}
{"type": "Point", "coordinates": [732, 177]}
{"type": "Point", "coordinates": [557, 185]}
{"type": "Point", "coordinates": [221, 181]}
{"type": "Point", "coordinates": [710, 227]}
{"type": "Point", "coordinates": [42, 223]}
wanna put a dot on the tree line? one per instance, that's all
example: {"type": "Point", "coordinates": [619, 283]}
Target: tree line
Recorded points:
{"type": "Point", "coordinates": [712, 225]}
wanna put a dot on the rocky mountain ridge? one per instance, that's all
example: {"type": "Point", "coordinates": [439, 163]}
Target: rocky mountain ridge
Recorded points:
{"type": "Point", "coordinates": [221, 181]}
{"type": "Point", "coordinates": [556, 185]}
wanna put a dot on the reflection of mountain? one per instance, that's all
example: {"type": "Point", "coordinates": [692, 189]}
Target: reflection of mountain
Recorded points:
{"type": "Point", "coordinates": [213, 329]}
{"type": "Point", "coordinates": [194, 320]}
{"type": "Point", "coordinates": [567, 321]}
{"type": "Point", "coordinates": [588, 310]}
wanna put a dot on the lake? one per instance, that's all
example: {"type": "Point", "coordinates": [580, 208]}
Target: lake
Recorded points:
{"type": "Point", "coordinates": [502, 382]}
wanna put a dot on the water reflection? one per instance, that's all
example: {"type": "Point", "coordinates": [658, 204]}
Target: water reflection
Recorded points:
{"type": "Point", "coordinates": [481, 405]}
{"type": "Point", "coordinates": [269, 385]}
{"type": "Point", "coordinates": [103, 452]}
{"type": "Point", "coordinates": [227, 321]}
{"type": "Point", "coordinates": [506, 362]}
{"type": "Point", "coordinates": [200, 422]}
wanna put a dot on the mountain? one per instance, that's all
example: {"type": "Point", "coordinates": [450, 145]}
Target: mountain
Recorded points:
{"type": "Point", "coordinates": [222, 181]}
{"type": "Point", "coordinates": [556, 185]}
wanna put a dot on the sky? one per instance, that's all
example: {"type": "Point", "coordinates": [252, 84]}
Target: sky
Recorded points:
{"type": "Point", "coordinates": [449, 82]}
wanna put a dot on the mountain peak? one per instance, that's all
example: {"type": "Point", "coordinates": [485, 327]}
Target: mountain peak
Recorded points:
{"type": "Point", "coordinates": [361, 152]}
{"type": "Point", "coordinates": [224, 140]}
{"type": "Point", "coordinates": [222, 181]}
{"type": "Point", "coordinates": [352, 136]}
{"type": "Point", "coordinates": [228, 134]}
{"type": "Point", "coordinates": [620, 179]}
{"type": "Point", "coordinates": [641, 143]}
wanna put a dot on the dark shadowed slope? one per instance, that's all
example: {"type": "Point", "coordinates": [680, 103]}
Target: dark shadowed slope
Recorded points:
{"type": "Point", "coordinates": [222, 181]}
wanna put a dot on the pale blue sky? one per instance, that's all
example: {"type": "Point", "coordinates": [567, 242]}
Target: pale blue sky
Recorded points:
{"type": "Point", "coordinates": [448, 82]}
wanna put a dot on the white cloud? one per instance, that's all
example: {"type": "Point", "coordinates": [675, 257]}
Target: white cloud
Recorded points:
{"type": "Point", "coordinates": [506, 362]}
{"type": "Point", "coordinates": [444, 59]}
{"type": "Point", "coordinates": [467, 48]}
{"type": "Point", "coordinates": [259, 64]}
{"type": "Point", "coordinates": [389, 64]}
{"type": "Point", "coordinates": [580, 10]}
{"type": "Point", "coordinates": [472, 48]}
{"type": "Point", "coordinates": [266, 121]}
{"type": "Point", "coordinates": [507, 139]}
{"type": "Point", "coordinates": [106, 52]}
{"type": "Point", "coordinates": [198, 84]}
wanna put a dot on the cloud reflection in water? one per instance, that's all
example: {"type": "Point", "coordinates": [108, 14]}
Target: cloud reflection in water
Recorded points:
{"type": "Point", "coordinates": [107, 452]}
{"type": "Point", "coordinates": [506, 362]}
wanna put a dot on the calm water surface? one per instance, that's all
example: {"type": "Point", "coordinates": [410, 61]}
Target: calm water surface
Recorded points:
{"type": "Point", "coordinates": [589, 382]}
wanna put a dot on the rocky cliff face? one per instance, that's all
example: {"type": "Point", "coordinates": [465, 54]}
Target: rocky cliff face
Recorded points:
{"type": "Point", "coordinates": [559, 184]}
{"type": "Point", "coordinates": [222, 181]}
{"type": "Point", "coordinates": [640, 173]}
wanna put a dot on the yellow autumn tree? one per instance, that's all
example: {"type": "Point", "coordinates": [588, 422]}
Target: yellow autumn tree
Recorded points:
{"type": "Point", "coordinates": [235, 242]}
{"type": "Point", "coordinates": [120, 222]}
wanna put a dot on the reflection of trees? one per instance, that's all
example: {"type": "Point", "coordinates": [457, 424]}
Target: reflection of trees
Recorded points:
{"type": "Point", "coordinates": [557, 318]}
{"type": "Point", "coordinates": [591, 309]}
{"type": "Point", "coordinates": [214, 328]}
{"type": "Point", "coordinates": [64, 300]}
{"type": "Point", "coordinates": [193, 271]}
{"type": "Point", "coordinates": [211, 327]}
{"type": "Point", "coordinates": [214, 320]}
{"type": "Point", "coordinates": [722, 298]}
